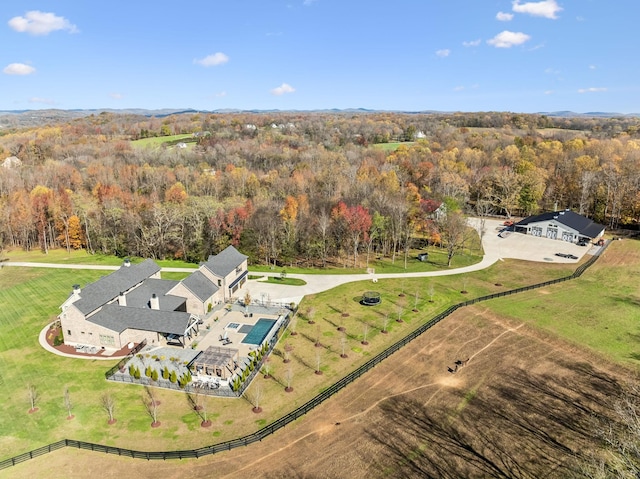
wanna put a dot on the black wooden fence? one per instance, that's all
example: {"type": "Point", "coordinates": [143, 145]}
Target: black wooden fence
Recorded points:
{"type": "Point", "coordinates": [300, 411]}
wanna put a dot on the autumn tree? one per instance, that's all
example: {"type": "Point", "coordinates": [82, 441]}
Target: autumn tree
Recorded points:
{"type": "Point", "coordinates": [357, 222]}
{"type": "Point", "coordinates": [41, 206]}
{"type": "Point", "coordinates": [453, 232]}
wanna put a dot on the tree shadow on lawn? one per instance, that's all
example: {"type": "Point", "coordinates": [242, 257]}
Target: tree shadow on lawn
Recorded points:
{"type": "Point", "coordinates": [528, 426]}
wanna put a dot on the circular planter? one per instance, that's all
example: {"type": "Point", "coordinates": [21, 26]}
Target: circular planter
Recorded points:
{"type": "Point", "coordinates": [155, 424]}
{"type": "Point", "coordinates": [257, 409]}
{"type": "Point", "coordinates": [206, 423]}
{"type": "Point", "coordinates": [288, 389]}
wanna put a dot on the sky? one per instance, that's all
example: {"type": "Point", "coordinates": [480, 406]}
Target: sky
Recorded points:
{"type": "Point", "coordinates": [409, 55]}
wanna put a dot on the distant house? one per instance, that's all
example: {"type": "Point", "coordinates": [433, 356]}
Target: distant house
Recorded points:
{"type": "Point", "coordinates": [561, 225]}
{"type": "Point", "coordinates": [419, 135]}
{"type": "Point", "coordinates": [435, 210]}
{"type": "Point", "coordinates": [12, 162]}
{"type": "Point", "coordinates": [133, 304]}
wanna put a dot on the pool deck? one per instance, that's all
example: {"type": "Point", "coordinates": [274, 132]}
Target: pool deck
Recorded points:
{"type": "Point", "coordinates": [218, 328]}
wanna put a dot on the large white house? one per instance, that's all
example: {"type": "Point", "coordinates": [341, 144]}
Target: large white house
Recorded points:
{"type": "Point", "coordinates": [133, 304]}
{"type": "Point", "coordinates": [561, 225]}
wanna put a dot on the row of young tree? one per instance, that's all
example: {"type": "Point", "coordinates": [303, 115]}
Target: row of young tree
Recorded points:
{"type": "Point", "coordinates": [310, 188]}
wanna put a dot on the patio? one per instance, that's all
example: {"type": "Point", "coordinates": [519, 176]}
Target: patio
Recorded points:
{"type": "Point", "coordinates": [229, 327]}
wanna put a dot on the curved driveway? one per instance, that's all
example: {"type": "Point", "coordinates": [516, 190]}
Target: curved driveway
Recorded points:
{"type": "Point", "coordinates": [495, 248]}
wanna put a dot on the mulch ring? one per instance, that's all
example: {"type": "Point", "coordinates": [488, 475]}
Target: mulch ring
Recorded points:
{"type": "Point", "coordinates": [52, 333]}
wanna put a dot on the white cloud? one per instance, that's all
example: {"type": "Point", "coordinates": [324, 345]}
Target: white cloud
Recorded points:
{"type": "Point", "coordinates": [116, 96]}
{"type": "Point", "coordinates": [472, 43]}
{"type": "Point", "coordinates": [18, 69]}
{"type": "Point", "coordinates": [282, 89]}
{"type": "Point", "coordinates": [592, 67]}
{"type": "Point", "coordinates": [443, 53]}
{"type": "Point", "coordinates": [41, 23]}
{"type": "Point", "coordinates": [591, 90]}
{"type": "Point", "coordinates": [221, 94]}
{"type": "Point", "coordinates": [546, 8]}
{"type": "Point", "coordinates": [508, 39]}
{"type": "Point", "coordinates": [549, 92]}
{"type": "Point", "coordinates": [458, 88]}
{"type": "Point", "coordinates": [46, 101]}
{"type": "Point", "coordinates": [307, 3]}
{"type": "Point", "coordinates": [504, 17]}
{"type": "Point", "coordinates": [212, 60]}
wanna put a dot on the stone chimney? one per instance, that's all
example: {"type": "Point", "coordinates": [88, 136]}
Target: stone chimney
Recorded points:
{"type": "Point", "coordinates": [122, 299]}
{"type": "Point", "coordinates": [154, 302]}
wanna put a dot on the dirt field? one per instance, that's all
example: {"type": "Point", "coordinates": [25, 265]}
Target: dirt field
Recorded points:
{"type": "Point", "coordinates": [522, 406]}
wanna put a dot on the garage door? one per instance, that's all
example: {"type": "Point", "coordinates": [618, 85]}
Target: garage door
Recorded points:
{"type": "Point", "coordinates": [567, 236]}
{"type": "Point", "coordinates": [552, 233]}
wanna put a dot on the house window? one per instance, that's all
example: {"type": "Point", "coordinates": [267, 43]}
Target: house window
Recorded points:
{"type": "Point", "coordinates": [68, 332]}
{"type": "Point", "coordinates": [107, 340]}
{"type": "Point", "coordinates": [238, 270]}
{"type": "Point", "coordinates": [219, 282]}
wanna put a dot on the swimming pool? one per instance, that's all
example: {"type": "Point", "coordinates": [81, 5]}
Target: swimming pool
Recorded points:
{"type": "Point", "coordinates": [259, 331]}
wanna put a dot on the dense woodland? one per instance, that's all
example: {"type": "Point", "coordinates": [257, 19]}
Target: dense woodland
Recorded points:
{"type": "Point", "coordinates": [305, 187]}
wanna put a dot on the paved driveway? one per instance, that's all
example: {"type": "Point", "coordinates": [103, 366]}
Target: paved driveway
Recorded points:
{"type": "Point", "coordinates": [514, 245]}
{"type": "Point", "coordinates": [526, 247]}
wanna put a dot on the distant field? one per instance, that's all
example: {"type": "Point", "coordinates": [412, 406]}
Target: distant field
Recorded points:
{"type": "Point", "coordinates": [392, 146]}
{"type": "Point", "coordinates": [159, 140]}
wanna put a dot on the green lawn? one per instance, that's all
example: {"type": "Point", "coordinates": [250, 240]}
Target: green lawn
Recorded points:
{"type": "Point", "coordinates": [30, 299]}
{"type": "Point", "coordinates": [392, 146]}
{"type": "Point", "coordinates": [285, 281]}
{"type": "Point", "coordinates": [159, 140]}
{"type": "Point", "coordinates": [437, 261]}
{"type": "Point", "coordinates": [60, 256]}
{"type": "Point", "coordinates": [600, 310]}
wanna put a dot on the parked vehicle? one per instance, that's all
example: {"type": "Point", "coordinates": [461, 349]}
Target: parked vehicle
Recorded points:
{"type": "Point", "coordinates": [567, 255]}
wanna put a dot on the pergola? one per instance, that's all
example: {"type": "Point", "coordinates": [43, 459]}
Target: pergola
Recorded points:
{"type": "Point", "coordinates": [216, 361]}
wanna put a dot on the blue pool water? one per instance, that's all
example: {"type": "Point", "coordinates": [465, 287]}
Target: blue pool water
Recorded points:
{"type": "Point", "coordinates": [259, 331]}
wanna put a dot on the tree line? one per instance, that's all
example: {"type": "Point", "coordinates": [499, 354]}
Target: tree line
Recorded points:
{"type": "Point", "coordinates": [305, 187]}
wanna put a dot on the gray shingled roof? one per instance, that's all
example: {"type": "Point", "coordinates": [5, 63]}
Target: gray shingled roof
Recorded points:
{"type": "Point", "coordinates": [225, 262]}
{"type": "Point", "coordinates": [201, 286]}
{"type": "Point", "coordinates": [109, 287]}
{"type": "Point", "coordinates": [581, 224]}
{"type": "Point", "coordinates": [139, 297]}
{"type": "Point", "coordinates": [120, 318]}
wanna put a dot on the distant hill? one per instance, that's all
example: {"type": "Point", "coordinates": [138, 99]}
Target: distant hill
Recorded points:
{"type": "Point", "coordinates": [30, 118]}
